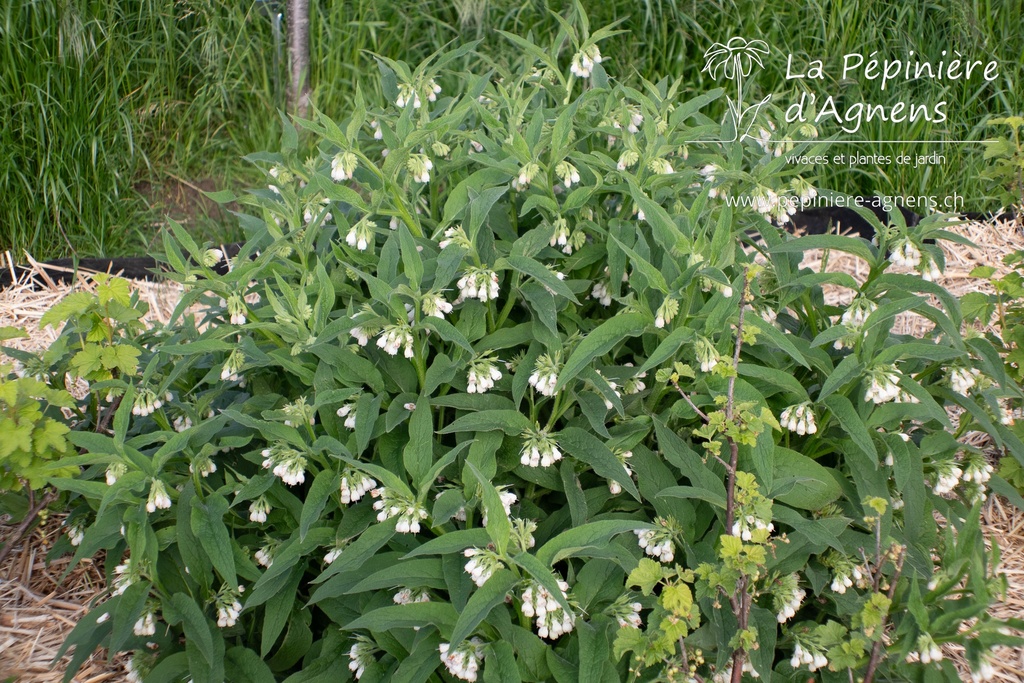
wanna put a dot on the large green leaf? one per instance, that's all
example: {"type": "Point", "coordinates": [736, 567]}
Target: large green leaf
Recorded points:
{"type": "Point", "coordinates": [480, 604]}
{"type": "Point", "coordinates": [600, 341]}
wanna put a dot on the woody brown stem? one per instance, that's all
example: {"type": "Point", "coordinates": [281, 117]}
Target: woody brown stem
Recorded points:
{"type": "Point", "coordinates": [23, 526]}
{"type": "Point", "coordinates": [876, 651]}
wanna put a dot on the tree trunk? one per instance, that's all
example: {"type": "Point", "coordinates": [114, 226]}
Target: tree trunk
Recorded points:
{"type": "Point", "coordinates": [298, 57]}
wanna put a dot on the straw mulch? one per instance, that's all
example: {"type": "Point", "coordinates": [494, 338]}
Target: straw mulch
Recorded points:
{"type": "Point", "coordinates": [36, 613]}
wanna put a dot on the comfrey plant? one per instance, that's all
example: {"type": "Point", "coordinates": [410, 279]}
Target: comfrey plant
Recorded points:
{"type": "Point", "coordinates": [507, 399]}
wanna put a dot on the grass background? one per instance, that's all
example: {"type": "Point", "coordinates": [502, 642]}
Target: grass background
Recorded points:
{"type": "Point", "coordinates": [118, 113]}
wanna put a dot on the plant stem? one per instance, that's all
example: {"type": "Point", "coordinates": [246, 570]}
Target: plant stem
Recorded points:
{"type": "Point", "coordinates": [22, 527]}
{"type": "Point", "coordinates": [876, 651]}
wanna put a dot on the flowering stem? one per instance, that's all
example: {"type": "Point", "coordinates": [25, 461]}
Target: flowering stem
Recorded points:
{"type": "Point", "coordinates": [507, 308]}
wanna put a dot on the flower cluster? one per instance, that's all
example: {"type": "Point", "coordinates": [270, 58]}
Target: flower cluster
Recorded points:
{"type": "Point", "coordinates": [334, 553]}
{"type": "Point", "coordinates": [258, 510]}
{"type": "Point", "coordinates": [883, 384]}
{"type": "Point", "coordinates": [545, 374]}
{"type": "Point", "coordinates": [158, 497]}
{"type": "Point", "coordinates": [614, 487]}
{"type": "Point", "coordinates": [483, 373]}
{"type": "Point", "coordinates": [947, 476]}
{"type": "Point", "coordinates": [229, 606]}
{"type": "Point", "coordinates": [962, 380]}
{"type": "Point", "coordinates": [568, 174]}
{"type": "Point", "coordinates": [845, 573]}
{"type": "Point", "coordinates": [527, 172]}
{"type": "Point", "coordinates": [583, 61]}
{"type": "Point", "coordinates": [455, 235]}
{"type": "Point", "coordinates": [202, 465]}
{"type": "Point", "coordinates": [478, 283]}
{"type": "Point", "coordinates": [75, 531]}
{"type": "Point", "coordinates": [395, 337]}
{"type": "Point", "coordinates": [799, 418]}
{"type": "Point", "coordinates": [355, 484]}
{"type": "Point", "coordinates": [905, 253]}
{"type": "Point", "coordinates": [657, 542]}
{"type": "Point", "coordinates": [360, 656]}
{"type": "Point", "coordinates": [464, 661]}
{"type": "Point", "coordinates": [233, 366]}
{"type": "Point", "coordinates": [407, 596]}
{"type": "Point", "coordinates": [360, 235]}
{"type": "Point", "coordinates": [435, 305]}
{"type": "Point", "coordinates": [286, 463]}
{"type": "Point", "coordinates": [539, 449]}
{"type": "Point", "coordinates": [627, 613]}
{"type": "Point", "coordinates": [420, 166]}
{"type": "Point", "coordinates": [265, 555]}
{"type": "Point", "coordinates": [482, 564]}
{"type": "Point", "coordinates": [522, 534]}
{"type": "Point", "coordinates": [125, 574]}
{"type": "Point", "coordinates": [147, 402]}
{"type": "Point", "coordinates": [813, 658]}
{"type": "Point", "coordinates": [627, 159]}
{"type": "Point", "coordinates": [115, 471]}
{"type": "Point", "coordinates": [146, 623]}
{"type": "Point", "coordinates": [787, 597]}
{"type": "Point", "coordinates": [853, 320]}
{"type": "Point", "coordinates": [236, 310]}
{"type": "Point", "coordinates": [348, 411]}
{"type": "Point", "coordinates": [391, 504]}
{"type": "Point", "coordinates": [601, 293]}
{"type": "Point", "coordinates": [343, 166]}
{"type": "Point", "coordinates": [927, 650]}
{"type": "Point", "coordinates": [707, 354]}
{"type": "Point", "coordinates": [552, 619]}
{"type": "Point", "coordinates": [299, 412]}
{"type": "Point", "coordinates": [752, 529]}
{"type": "Point", "coordinates": [666, 312]}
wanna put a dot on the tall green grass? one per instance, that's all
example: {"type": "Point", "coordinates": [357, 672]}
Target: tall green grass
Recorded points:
{"type": "Point", "coordinates": [100, 94]}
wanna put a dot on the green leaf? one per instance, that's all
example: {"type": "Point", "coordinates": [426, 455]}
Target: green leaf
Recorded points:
{"type": "Point", "coordinates": [851, 245]}
{"type": "Point", "coordinates": [851, 423]}
{"type": "Point", "coordinates": [325, 483]}
{"type": "Point", "coordinates": [777, 338]}
{"type": "Point", "coordinates": [419, 452]}
{"type": "Point", "coordinates": [480, 604]}
{"type": "Point", "coordinates": [595, 651]}
{"type": "Point", "coordinates": [451, 543]}
{"type": "Point", "coordinates": [600, 341]}
{"type": "Point", "coordinates": [643, 266]}
{"type": "Point", "coordinates": [195, 624]}
{"type": "Point", "coordinates": [848, 369]}
{"type": "Point", "coordinates": [527, 266]}
{"type": "Point", "coordinates": [512, 422]}
{"type": "Point", "coordinates": [667, 348]}
{"type": "Point", "coordinates": [587, 448]}
{"type": "Point", "coordinates": [416, 614]}
{"type": "Point", "coordinates": [592, 535]}
{"type": "Point", "coordinates": [408, 573]}
{"type": "Point", "coordinates": [410, 257]}
{"type": "Point", "coordinates": [646, 575]}
{"type": "Point", "coordinates": [245, 666]}
{"type": "Point", "coordinates": [500, 664]}
{"type": "Point", "coordinates": [207, 522]}
{"type": "Point", "coordinates": [499, 527]}
{"type": "Point", "coordinates": [807, 485]}
{"type": "Point", "coordinates": [447, 331]}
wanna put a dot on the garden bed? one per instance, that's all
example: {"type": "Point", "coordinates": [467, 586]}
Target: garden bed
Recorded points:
{"type": "Point", "coordinates": [37, 609]}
